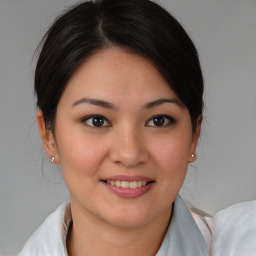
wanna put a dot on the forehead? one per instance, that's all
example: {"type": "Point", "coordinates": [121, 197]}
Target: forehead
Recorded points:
{"type": "Point", "coordinates": [118, 74]}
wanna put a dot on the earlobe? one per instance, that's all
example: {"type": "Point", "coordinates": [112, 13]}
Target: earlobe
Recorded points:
{"type": "Point", "coordinates": [47, 137]}
{"type": "Point", "coordinates": [195, 138]}
{"type": "Point", "coordinates": [192, 158]}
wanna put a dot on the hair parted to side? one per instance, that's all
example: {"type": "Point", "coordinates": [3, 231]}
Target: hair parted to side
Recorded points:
{"type": "Point", "coordinates": [140, 26]}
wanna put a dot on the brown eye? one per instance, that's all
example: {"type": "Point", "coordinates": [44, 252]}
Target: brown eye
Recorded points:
{"type": "Point", "coordinates": [160, 121]}
{"type": "Point", "coordinates": [96, 121]}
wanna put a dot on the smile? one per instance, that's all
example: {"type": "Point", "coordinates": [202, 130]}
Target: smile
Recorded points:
{"type": "Point", "coordinates": [129, 187]}
{"type": "Point", "coordinates": [128, 184]}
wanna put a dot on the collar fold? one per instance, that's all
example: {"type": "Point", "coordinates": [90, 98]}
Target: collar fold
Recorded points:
{"type": "Point", "coordinates": [182, 238]}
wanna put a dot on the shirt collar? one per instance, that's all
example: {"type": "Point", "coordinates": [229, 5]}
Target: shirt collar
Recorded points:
{"type": "Point", "coordinates": [182, 238]}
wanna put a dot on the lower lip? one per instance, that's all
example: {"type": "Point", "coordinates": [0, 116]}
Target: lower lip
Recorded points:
{"type": "Point", "coordinates": [129, 192]}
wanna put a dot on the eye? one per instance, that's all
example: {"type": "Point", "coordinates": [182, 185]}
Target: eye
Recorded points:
{"type": "Point", "coordinates": [160, 121]}
{"type": "Point", "coordinates": [96, 121]}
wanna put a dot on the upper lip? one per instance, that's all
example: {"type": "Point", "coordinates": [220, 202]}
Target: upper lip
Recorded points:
{"type": "Point", "coordinates": [127, 178]}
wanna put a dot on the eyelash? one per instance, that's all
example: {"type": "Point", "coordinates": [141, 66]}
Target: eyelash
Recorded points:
{"type": "Point", "coordinates": [168, 120]}
{"type": "Point", "coordinates": [91, 117]}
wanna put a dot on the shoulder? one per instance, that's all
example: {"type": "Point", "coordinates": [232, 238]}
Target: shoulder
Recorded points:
{"type": "Point", "coordinates": [50, 237]}
{"type": "Point", "coordinates": [234, 230]}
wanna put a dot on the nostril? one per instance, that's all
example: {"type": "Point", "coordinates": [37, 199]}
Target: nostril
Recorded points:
{"type": "Point", "coordinates": [128, 154]}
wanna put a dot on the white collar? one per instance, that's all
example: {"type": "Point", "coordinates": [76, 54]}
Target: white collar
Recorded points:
{"type": "Point", "coordinates": [50, 238]}
{"type": "Point", "coordinates": [182, 238]}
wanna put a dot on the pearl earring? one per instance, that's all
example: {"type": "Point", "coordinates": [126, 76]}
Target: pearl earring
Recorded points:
{"type": "Point", "coordinates": [192, 155]}
{"type": "Point", "coordinates": [52, 159]}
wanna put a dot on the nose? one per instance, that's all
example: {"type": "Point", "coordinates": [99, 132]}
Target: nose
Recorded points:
{"type": "Point", "coordinates": [129, 149]}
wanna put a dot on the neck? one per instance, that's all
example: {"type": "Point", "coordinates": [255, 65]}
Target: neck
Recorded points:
{"type": "Point", "coordinates": [90, 236]}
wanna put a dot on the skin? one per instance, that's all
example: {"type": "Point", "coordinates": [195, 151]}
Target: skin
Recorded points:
{"type": "Point", "coordinates": [129, 143]}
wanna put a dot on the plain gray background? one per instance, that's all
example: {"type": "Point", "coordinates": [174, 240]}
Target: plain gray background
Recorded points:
{"type": "Point", "coordinates": [224, 32]}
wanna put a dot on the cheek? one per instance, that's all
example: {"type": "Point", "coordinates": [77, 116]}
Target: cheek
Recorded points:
{"type": "Point", "coordinates": [81, 158]}
{"type": "Point", "coordinates": [171, 155]}
{"type": "Point", "coordinates": [80, 154]}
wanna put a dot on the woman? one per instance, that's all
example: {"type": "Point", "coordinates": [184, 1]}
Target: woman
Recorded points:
{"type": "Point", "coordinates": [119, 89]}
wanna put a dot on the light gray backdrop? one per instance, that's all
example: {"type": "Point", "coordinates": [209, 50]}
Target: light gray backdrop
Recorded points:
{"type": "Point", "coordinates": [224, 32]}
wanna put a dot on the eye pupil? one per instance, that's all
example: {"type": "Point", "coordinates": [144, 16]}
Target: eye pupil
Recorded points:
{"type": "Point", "coordinates": [158, 121]}
{"type": "Point", "coordinates": [98, 121]}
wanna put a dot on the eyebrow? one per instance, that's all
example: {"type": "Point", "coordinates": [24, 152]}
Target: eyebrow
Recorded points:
{"type": "Point", "coordinates": [162, 101]}
{"type": "Point", "coordinates": [108, 105]}
{"type": "Point", "coordinates": [96, 102]}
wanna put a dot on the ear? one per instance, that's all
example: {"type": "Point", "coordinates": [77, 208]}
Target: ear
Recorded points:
{"type": "Point", "coordinates": [195, 138]}
{"type": "Point", "coordinates": [47, 137]}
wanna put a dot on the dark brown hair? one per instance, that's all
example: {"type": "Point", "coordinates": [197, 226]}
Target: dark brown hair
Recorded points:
{"type": "Point", "coordinates": [140, 26]}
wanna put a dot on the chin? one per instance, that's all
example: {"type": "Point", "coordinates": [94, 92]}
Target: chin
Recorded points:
{"type": "Point", "coordinates": [131, 217]}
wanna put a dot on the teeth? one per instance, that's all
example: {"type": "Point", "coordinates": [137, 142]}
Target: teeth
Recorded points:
{"type": "Point", "coordinates": [133, 184]}
{"type": "Point", "coordinates": [117, 183]}
{"type": "Point", "coordinates": [143, 183]}
{"type": "Point", "coordinates": [127, 184]}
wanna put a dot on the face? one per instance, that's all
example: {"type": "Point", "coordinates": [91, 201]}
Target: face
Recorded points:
{"type": "Point", "coordinates": [123, 139]}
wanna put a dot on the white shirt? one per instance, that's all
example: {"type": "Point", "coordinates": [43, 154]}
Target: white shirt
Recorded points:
{"type": "Point", "coordinates": [183, 238]}
{"type": "Point", "coordinates": [234, 230]}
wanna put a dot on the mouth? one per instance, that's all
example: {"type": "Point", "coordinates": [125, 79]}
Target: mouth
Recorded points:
{"type": "Point", "coordinates": [129, 187]}
{"type": "Point", "coordinates": [128, 184]}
